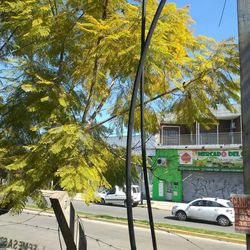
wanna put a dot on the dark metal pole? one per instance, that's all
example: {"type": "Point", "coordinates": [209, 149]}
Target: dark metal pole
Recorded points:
{"type": "Point", "coordinates": [143, 140]}
{"type": "Point", "coordinates": [72, 219]}
{"type": "Point", "coordinates": [244, 42]}
{"type": "Point", "coordinates": [131, 125]}
{"type": "Point", "coordinates": [62, 222]}
{"type": "Point", "coordinates": [82, 237]}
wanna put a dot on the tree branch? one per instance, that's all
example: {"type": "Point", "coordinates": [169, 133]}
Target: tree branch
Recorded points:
{"type": "Point", "coordinates": [8, 39]}
{"type": "Point", "coordinates": [185, 85]}
{"type": "Point", "coordinates": [104, 99]}
{"type": "Point", "coordinates": [93, 82]}
{"type": "Point", "coordinates": [55, 7]}
{"type": "Point", "coordinates": [52, 8]}
{"type": "Point", "coordinates": [112, 150]}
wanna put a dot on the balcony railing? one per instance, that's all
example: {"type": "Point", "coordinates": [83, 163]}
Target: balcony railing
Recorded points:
{"type": "Point", "coordinates": [202, 139]}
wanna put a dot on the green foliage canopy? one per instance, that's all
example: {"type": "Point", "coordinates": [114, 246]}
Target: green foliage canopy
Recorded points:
{"type": "Point", "coordinates": [67, 64]}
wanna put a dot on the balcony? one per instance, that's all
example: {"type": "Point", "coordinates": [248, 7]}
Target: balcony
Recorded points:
{"type": "Point", "coordinates": [201, 139]}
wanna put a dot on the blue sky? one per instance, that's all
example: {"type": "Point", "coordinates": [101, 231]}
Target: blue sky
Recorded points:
{"type": "Point", "coordinates": [207, 13]}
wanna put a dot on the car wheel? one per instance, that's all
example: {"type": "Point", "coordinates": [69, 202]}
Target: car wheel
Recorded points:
{"type": "Point", "coordinates": [135, 204]}
{"type": "Point", "coordinates": [102, 202]}
{"type": "Point", "coordinates": [4, 210]}
{"type": "Point", "coordinates": [181, 215]}
{"type": "Point", "coordinates": [223, 221]}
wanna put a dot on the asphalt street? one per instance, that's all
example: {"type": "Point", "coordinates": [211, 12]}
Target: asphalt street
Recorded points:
{"type": "Point", "coordinates": [40, 232]}
{"type": "Point", "coordinates": [140, 213]}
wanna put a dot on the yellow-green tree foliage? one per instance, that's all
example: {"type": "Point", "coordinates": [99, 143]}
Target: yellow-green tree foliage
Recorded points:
{"type": "Point", "coordinates": [67, 64]}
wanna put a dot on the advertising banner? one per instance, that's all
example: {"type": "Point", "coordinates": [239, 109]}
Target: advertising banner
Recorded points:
{"type": "Point", "coordinates": [241, 205]}
{"type": "Point", "coordinates": [211, 160]}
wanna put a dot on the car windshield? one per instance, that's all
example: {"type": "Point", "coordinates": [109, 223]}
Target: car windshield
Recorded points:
{"type": "Point", "coordinates": [136, 190]}
{"type": "Point", "coordinates": [230, 204]}
{"type": "Point", "coordinates": [102, 190]}
{"type": "Point", "coordinates": [133, 189]}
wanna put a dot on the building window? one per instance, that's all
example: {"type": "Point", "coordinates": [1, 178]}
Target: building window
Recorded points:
{"type": "Point", "coordinates": [170, 135]}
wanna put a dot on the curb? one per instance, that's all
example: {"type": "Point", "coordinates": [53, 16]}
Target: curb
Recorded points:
{"type": "Point", "coordinates": [171, 231]}
{"type": "Point", "coordinates": [201, 235]}
{"type": "Point", "coordinates": [162, 207]}
{"type": "Point", "coordinates": [168, 230]}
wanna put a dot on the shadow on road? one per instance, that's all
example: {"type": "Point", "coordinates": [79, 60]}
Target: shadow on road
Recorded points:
{"type": "Point", "coordinates": [194, 221]}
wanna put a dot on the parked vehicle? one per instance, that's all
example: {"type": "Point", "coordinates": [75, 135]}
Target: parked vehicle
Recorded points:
{"type": "Point", "coordinates": [117, 195]}
{"type": "Point", "coordinates": [208, 209]}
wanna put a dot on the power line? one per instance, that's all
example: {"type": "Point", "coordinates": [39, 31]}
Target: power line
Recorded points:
{"type": "Point", "coordinates": [40, 213]}
{"type": "Point", "coordinates": [181, 236]}
{"type": "Point", "coordinates": [11, 223]}
{"type": "Point", "coordinates": [166, 231]}
{"type": "Point", "coordinates": [222, 13]}
{"type": "Point", "coordinates": [59, 237]}
{"type": "Point", "coordinates": [103, 242]}
{"type": "Point", "coordinates": [23, 223]}
{"type": "Point", "coordinates": [32, 212]}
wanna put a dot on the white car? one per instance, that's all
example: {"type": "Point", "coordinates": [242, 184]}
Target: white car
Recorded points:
{"type": "Point", "coordinates": [117, 195]}
{"type": "Point", "coordinates": [208, 209]}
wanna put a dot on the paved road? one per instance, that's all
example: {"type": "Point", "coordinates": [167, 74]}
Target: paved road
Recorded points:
{"type": "Point", "coordinates": [42, 231]}
{"type": "Point", "coordinates": [117, 236]}
{"type": "Point", "coordinates": [162, 216]}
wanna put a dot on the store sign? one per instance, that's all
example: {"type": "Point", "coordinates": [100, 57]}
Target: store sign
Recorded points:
{"type": "Point", "coordinates": [237, 154]}
{"type": "Point", "coordinates": [211, 160]}
{"type": "Point", "coordinates": [186, 157]}
{"type": "Point", "coordinates": [241, 205]}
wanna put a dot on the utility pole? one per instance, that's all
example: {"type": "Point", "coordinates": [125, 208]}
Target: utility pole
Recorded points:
{"type": "Point", "coordinates": [244, 42]}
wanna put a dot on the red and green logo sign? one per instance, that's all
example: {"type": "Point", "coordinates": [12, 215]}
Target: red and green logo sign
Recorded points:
{"type": "Point", "coordinates": [207, 160]}
{"type": "Point", "coordinates": [186, 158]}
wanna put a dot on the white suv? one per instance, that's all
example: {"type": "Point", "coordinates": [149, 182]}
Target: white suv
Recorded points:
{"type": "Point", "coordinates": [117, 195]}
{"type": "Point", "coordinates": [209, 209]}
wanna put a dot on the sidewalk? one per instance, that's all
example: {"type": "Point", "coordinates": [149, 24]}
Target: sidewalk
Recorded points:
{"type": "Point", "coordinates": [164, 205]}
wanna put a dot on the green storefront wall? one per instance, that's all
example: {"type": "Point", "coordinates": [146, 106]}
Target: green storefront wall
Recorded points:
{"type": "Point", "coordinates": [167, 179]}
{"type": "Point", "coordinates": [169, 164]}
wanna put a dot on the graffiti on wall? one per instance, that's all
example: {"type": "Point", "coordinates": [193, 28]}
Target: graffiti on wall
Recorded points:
{"type": "Point", "coordinates": [198, 185]}
{"type": "Point", "coordinates": [210, 187]}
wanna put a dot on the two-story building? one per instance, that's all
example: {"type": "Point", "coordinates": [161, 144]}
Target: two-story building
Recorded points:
{"type": "Point", "coordinates": [191, 161]}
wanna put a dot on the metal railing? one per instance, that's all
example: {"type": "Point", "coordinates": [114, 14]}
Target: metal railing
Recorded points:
{"type": "Point", "coordinates": [226, 138]}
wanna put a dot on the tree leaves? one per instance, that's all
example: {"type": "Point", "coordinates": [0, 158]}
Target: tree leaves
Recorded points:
{"type": "Point", "coordinates": [73, 64]}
